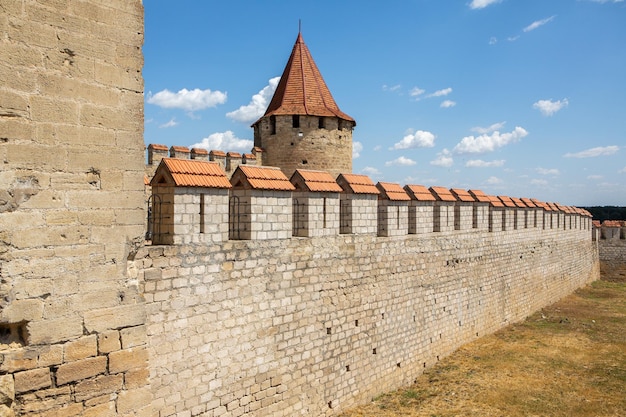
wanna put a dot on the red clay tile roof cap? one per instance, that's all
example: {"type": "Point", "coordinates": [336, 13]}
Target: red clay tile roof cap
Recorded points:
{"type": "Point", "coordinates": [561, 207]}
{"type": "Point", "coordinates": [158, 147]}
{"type": "Point", "coordinates": [540, 204]}
{"type": "Point", "coordinates": [480, 196]}
{"type": "Point", "coordinates": [596, 223]}
{"type": "Point", "coordinates": [392, 191]}
{"type": "Point", "coordinates": [495, 201]}
{"type": "Point", "coordinates": [302, 90]}
{"type": "Point", "coordinates": [233, 154]}
{"type": "Point", "coordinates": [146, 180]}
{"type": "Point", "coordinates": [199, 151]}
{"type": "Point", "coordinates": [357, 184]}
{"type": "Point", "coordinates": [180, 149]}
{"type": "Point", "coordinates": [265, 178]}
{"type": "Point", "coordinates": [419, 192]}
{"type": "Point", "coordinates": [217, 153]}
{"type": "Point", "coordinates": [529, 202]}
{"type": "Point", "coordinates": [192, 173]}
{"type": "Point", "coordinates": [257, 149]}
{"type": "Point", "coordinates": [249, 156]}
{"type": "Point", "coordinates": [507, 201]}
{"type": "Point", "coordinates": [317, 181]}
{"type": "Point", "coordinates": [442, 194]}
{"type": "Point", "coordinates": [611, 223]}
{"type": "Point", "coordinates": [554, 207]}
{"type": "Point", "coordinates": [518, 202]}
{"type": "Point", "coordinates": [462, 195]}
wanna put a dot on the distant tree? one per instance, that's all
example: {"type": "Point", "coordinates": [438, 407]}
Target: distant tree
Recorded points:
{"type": "Point", "coordinates": [603, 213]}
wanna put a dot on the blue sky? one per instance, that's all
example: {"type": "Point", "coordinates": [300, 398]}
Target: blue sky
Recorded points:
{"type": "Point", "coordinates": [525, 98]}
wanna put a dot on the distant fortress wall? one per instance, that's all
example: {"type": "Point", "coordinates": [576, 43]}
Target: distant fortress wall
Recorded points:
{"type": "Point", "coordinates": [611, 236]}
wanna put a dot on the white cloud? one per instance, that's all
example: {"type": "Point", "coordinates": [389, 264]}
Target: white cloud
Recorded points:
{"type": "Point", "coordinates": [493, 40]}
{"type": "Point", "coordinates": [512, 38]}
{"type": "Point", "coordinates": [481, 4]}
{"type": "Point", "coordinates": [493, 180]}
{"type": "Point", "coordinates": [391, 87]}
{"type": "Point", "coordinates": [370, 171]}
{"type": "Point", "coordinates": [447, 104]}
{"type": "Point", "coordinates": [489, 142]}
{"type": "Point", "coordinates": [607, 1]}
{"type": "Point", "coordinates": [479, 163]}
{"type": "Point", "coordinates": [595, 177]}
{"type": "Point", "coordinates": [224, 141]}
{"type": "Point", "coordinates": [416, 92]}
{"type": "Point", "coordinates": [541, 183]}
{"type": "Point", "coordinates": [258, 104]}
{"type": "Point", "coordinates": [357, 147]}
{"type": "Point", "coordinates": [622, 171]}
{"type": "Point", "coordinates": [171, 123]}
{"type": "Point", "coordinates": [534, 25]}
{"type": "Point", "coordinates": [492, 128]}
{"type": "Point", "coordinates": [546, 171]}
{"type": "Point", "coordinates": [444, 159]}
{"type": "Point", "coordinates": [402, 161]}
{"type": "Point", "coordinates": [190, 100]}
{"type": "Point", "coordinates": [594, 152]}
{"type": "Point", "coordinates": [549, 107]}
{"type": "Point", "coordinates": [419, 139]}
{"type": "Point", "coordinates": [441, 93]}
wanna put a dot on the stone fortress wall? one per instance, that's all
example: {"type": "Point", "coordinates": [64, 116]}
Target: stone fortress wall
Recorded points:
{"type": "Point", "coordinates": [72, 323]}
{"type": "Point", "coordinates": [310, 326]}
{"type": "Point", "coordinates": [611, 236]}
{"type": "Point", "coordinates": [95, 323]}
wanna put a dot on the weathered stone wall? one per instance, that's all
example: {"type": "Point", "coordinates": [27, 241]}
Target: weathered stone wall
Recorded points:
{"type": "Point", "coordinates": [307, 146]}
{"type": "Point", "coordinates": [310, 326]}
{"type": "Point", "coordinates": [72, 333]}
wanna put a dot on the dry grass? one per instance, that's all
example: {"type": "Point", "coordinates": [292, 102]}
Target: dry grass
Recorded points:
{"type": "Point", "coordinates": [567, 360]}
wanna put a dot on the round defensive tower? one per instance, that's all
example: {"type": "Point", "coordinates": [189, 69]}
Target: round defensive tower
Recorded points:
{"type": "Point", "coordinates": [303, 128]}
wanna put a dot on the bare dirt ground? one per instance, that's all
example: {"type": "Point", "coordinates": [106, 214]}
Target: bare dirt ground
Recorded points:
{"type": "Point", "coordinates": [567, 360]}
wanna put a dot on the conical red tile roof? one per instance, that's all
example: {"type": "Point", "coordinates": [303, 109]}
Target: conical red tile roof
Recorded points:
{"type": "Point", "coordinates": [302, 90]}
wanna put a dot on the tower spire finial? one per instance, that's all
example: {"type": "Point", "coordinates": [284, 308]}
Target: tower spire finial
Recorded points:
{"type": "Point", "coordinates": [299, 26]}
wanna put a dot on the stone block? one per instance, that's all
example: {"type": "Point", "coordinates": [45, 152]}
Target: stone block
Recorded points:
{"type": "Point", "coordinates": [106, 409]}
{"type": "Point", "coordinates": [7, 389]}
{"type": "Point", "coordinates": [53, 110]}
{"type": "Point", "coordinates": [115, 318]}
{"type": "Point", "coordinates": [133, 336]}
{"type": "Point", "coordinates": [80, 349]}
{"type": "Point", "coordinates": [124, 360]}
{"type": "Point", "coordinates": [54, 331]}
{"type": "Point", "coordinates": [136, 378]}
{"type": "Point", "coordinates": [69, 410]}
{"type": "Point", "coordinates": [109, 341]}
{"type": "Point", "coordinates": [22, 310]}
{"type": "Point", "coordinates": [32, 380]}
{"type": "Point", "coordinates": [134, 399]}
{"type": "Point", "coordinates": [50, 355]}
{"type": "Point", "coordinates": [101, 385]}
{"type": "Point", "coordinates": [85, 368]}
{"type": "Point", "coordinates": [5, 411]}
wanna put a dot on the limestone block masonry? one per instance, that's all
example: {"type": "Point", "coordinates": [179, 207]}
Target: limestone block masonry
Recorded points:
{"type": "Point", "coordinates": [72, 322]}
{"type": "Point", "coordinates": [311, 326]}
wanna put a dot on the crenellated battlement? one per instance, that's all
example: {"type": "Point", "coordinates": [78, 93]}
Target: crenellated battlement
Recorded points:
{"type": "Point", "coordinates": [195, 201]}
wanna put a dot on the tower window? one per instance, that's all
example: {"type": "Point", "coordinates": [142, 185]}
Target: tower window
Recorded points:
{"type": "Point", "coordinates": [273, 125]}
{"type": "Point", "coordinates": [295, 120]}
{"type": "Point", "coordinates": [320, 122]}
